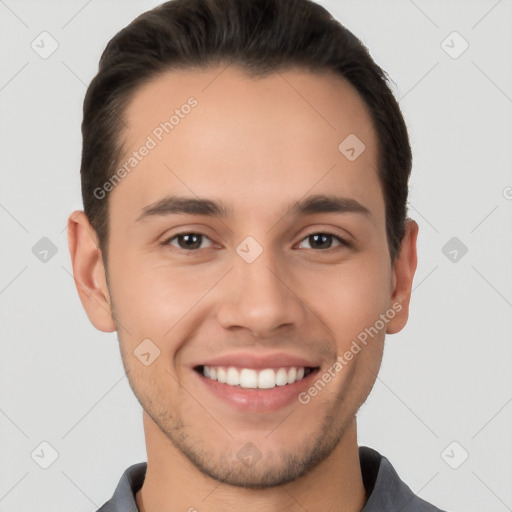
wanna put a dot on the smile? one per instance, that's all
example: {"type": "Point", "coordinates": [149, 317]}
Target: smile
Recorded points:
{"type": "Point", "coordinates": [249, 378]}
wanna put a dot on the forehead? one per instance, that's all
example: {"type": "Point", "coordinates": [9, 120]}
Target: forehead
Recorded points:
{"type": "Point", "coordinates": [249, 140]}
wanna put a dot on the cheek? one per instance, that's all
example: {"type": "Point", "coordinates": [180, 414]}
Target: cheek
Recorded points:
{"type": "Point", "coordinates": [150, 299]}
{"type": "Point", "coordinates": [350, 299]}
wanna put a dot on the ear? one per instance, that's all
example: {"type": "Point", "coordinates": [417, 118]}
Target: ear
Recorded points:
{"type": "Point", "coordinates": [404, 269]}
{"type": "Point", "coordinates": [89, 272]}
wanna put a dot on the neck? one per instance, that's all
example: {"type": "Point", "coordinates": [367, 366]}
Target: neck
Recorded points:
{"type": "Point", "coordinates": [173, 483]}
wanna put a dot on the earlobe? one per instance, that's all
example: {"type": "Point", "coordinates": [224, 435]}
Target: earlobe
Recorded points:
{"type": "Point", "coordinates": [404, 269]}
{"type": "Point", "coordinates": [89, 272]}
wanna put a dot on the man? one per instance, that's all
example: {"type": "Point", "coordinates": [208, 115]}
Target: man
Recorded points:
{"type": "Point", "coordinates": [244, 178]}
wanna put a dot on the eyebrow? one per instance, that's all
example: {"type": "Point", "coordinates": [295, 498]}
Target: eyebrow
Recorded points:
{"type": "Point", "coordinates": [320, 203]}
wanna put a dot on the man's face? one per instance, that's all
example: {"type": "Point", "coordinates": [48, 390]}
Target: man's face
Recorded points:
{"type": "Point", "coordinates": [264, 280]}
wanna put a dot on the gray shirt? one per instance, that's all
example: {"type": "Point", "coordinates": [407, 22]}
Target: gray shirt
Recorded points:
{"type": "Point", "coordinates": [386, 491]}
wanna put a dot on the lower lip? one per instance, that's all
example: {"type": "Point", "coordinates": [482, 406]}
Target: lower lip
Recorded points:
{"type": "Point", "coordinates": [257, 400]}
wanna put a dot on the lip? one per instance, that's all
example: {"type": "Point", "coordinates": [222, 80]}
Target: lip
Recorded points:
{"type": "Point", "coordinates": [255, 361]}
{"type": "Point", "coordinates": [257, 400]}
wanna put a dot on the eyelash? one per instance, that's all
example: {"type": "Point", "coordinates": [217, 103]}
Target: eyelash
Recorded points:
{"type": "Point", "coordinates": [342, 241]}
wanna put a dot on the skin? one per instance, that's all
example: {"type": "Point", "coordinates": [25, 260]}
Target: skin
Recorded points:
{"type": "Point", "coordinates": [256, 144]}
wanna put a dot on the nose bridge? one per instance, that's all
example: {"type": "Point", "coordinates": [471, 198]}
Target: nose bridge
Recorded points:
{"type": "Point", "coordinates": [259, 298]}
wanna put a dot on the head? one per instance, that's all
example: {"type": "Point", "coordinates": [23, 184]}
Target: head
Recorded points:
{"type": "Point", "coordinates": [265, 113]}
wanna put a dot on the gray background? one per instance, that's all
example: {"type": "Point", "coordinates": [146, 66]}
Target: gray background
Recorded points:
{"type": "Point", "coordinates": [445, 378]}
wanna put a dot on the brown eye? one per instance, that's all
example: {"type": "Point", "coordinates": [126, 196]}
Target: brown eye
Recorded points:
{"type": "Point", "coordinates": [324, 241]}
{"type": "Point", "coordinates": [187, 241]}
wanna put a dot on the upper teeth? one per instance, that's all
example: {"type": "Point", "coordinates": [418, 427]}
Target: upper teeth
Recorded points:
{"type": "Point", "coordinates": [250, 378]}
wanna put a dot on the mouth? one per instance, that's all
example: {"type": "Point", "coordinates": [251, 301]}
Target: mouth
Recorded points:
{"type": "Point", "coordinates": [251, 390]}
{"type": "Point", "coordinates": [250, 378]}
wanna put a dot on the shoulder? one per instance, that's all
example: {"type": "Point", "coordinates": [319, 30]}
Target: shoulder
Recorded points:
{"type": "Point", "coordinates": [385, 489]}
{"type": "Point", "coordinates": [123, 499]}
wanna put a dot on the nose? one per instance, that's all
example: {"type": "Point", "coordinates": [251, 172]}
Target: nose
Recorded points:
{"type": "Point", "coordinates": [260, 297]}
